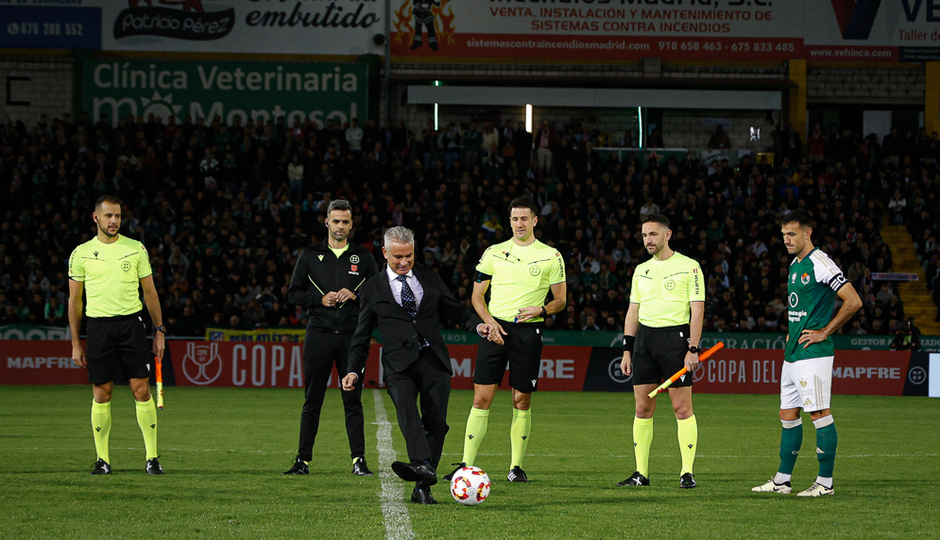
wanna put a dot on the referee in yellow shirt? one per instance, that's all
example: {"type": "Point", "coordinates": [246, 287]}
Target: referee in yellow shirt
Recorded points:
{"type": "Point", "coordinates": [661, 335]}
{"type": "Point", "coordinates": [110, 269]}
{"type": "Point", "coordinates": [519, 273]}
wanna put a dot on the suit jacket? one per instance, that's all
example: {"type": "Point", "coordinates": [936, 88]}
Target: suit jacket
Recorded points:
{"type": "Point", "coordinates": [400, 333]}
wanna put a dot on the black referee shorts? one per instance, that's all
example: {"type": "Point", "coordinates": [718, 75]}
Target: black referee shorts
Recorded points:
{"type": "Point", "coordinates": [659, 353]}
{"type": "Point", "coordinates": [115, 342]}
{"type": "Point", "coordinates": [522, 352]}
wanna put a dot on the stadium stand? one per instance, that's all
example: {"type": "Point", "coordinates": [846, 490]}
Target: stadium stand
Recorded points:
{"type": "Point", "coordinates": [224, 210]}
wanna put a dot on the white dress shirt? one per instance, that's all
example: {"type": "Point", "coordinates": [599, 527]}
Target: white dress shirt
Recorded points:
{"type": "Point", "coordinates": [412, 282]}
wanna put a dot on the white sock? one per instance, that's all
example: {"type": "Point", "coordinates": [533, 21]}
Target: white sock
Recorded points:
{"type": "Point", "coordinates": [827, 482]}
{"type": "Point", "coordinates": [781, 478]}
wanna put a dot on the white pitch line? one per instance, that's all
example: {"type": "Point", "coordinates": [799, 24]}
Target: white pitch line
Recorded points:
{"type": "Point", "coordinates": [397, 522]}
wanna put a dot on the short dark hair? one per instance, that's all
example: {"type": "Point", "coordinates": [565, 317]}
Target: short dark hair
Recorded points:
{"type": "Point", "coordinates": [338, 204]}
{"type": "Point", "coordinates": [110, 199]}
{"type": "Point", "coordinates": [804, 218]}
{"type": "Point", "coordinates": [657, 218]}
{"type": "Point", "coordinates": [525, 202]}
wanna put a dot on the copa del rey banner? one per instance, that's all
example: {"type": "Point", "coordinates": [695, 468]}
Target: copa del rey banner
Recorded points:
{"type": "Point", "coordinates": [563, 368]}
{"type": "Point", "coordinates": [712, 30]}
{"type": "Point", "coordinates": [280, 365]}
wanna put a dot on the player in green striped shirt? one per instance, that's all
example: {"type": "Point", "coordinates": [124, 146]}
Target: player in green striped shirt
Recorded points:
{"type": "Point", "coordinates": [110, 269]}
{"type": "Point", "coordinates": [813, 283]}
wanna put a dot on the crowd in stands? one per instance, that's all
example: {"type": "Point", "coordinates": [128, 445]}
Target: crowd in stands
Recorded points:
{"type": "Point", "coordinates": [225, 209]}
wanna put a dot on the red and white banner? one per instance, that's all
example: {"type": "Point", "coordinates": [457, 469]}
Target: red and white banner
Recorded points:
{"type": "Point", "coordinates": [711, 30]}
{"type": "Point", "coordinates": [280, 365]}
{"type": "Point", "coordinates": [39, 362]}
{"type": "Point", "coordinates": [757, 371]}
{"type": "Point", "coordinates": [563, 368]}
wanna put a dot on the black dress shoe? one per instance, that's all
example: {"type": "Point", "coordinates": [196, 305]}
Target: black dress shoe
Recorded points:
{"type": "Point", "coordinates": [415, 472]}
{"type": "Point", "coordinates": [422, 495]}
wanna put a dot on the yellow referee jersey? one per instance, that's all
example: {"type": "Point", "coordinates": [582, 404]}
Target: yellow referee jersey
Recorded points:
{"type": "Point", "coordinates": [522, 276]}
{"type": "Point", "coordinates": [664, 289]}
{"type": "Point", "coordinates": [111, 274]}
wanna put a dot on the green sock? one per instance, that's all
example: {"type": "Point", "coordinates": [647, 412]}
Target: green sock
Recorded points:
{"type": "Point", "coordinates": [519, 435]}
{"type": "Point", "coordinates": [826, 442]}
{"type": "Point", "coordinates": [642, 440]}
{"type": "Point", "coordinates": [147, 420]}
{"type": "Point", "coordinates": [791, 439]}
{"type": "Point", "coordinates": [101, 428]}
{"type": "Point", "coordinates": [476, 430]}
{"type": "Point", "coordinates": [687, 431]}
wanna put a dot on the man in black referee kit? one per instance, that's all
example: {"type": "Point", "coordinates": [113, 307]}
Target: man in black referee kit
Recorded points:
{"type": "Point", "coordinates": [326, 282]}
{"type": "Point", "coordinates": [109, 269]}
{"type": "Point", "coordinates": [661, 335]}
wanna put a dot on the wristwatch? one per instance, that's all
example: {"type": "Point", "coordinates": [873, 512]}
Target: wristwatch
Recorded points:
{"type": "Point", "coordinates": [694, 350]}
{"type": "Point", "coordinates": [160, 328]}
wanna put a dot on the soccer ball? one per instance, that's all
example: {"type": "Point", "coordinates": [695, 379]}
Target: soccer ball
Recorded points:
{"type": "Point", "coordinates": [470, 486]}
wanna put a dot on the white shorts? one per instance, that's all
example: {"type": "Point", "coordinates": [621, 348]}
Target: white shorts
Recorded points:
{"type": "Point", "coordinates": [806, 384]}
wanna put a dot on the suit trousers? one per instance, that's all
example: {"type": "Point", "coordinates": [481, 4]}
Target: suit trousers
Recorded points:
{"type": "Point", "coordinates": [429, 379]}
{"type": "Point", "coordinates": [323, 350]}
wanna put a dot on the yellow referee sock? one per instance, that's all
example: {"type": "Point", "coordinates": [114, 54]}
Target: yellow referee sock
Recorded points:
{"type": "Point", "coordinates": [101, 428]}
{"type": "Point", "coordinates": [642, 440]}
{"type": "Point", "coordinates": [476, 430]}
{"type": "Point", "coordinates": [687, 431]}
{"type": "Point", "coordinates": [147, 420]}
{"type": "Point", "coordinates": [519, 432]}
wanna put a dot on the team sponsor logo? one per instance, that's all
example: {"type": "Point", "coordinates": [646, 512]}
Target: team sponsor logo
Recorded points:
{"type": "Point", "coordinates": [794, 299]}
{"type": "Point", "coordinates": [804, 279]}
{"type": "Point", "coordinates": [320, 257]}
{"type": "Point", "coordinates": [670, 285]}
{"type": "Point", "coordinates": [535, 270]}
{"type": "Point", "coordinates": [126, 266]}
{"type": "Point", "coordinates": [354, 259]}
{"type": "Point", "coordinates": [191, 22]}
{"type": "Point", "coordinates": [202, 364]}
{"type": "Point", "coordinates": [803, 383]}
{"type": "Point", "coordinates": [96, 254]}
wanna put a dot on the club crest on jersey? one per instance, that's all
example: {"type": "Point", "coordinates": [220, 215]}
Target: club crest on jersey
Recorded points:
{"type": "Point", "coordinates": [353, 267]}
{"type": "Point", "coordinates": [354, 259]}
{"type": "Point", "coordinates": [804, 279]}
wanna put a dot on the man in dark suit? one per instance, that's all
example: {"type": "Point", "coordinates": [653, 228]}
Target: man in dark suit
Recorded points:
{"type": "Point", "coordinates": [408, 305]}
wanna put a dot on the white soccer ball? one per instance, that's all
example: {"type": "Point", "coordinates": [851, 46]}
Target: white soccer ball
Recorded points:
{"type": "Point", "coordinates": [470, 486]}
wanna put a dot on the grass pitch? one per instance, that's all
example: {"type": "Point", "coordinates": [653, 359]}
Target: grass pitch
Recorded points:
{"type": "Point", "coordinates": [223, 450]}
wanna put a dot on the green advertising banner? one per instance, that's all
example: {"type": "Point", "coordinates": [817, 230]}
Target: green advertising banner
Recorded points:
{"type": "Point", "coordinates": [257, 90]}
